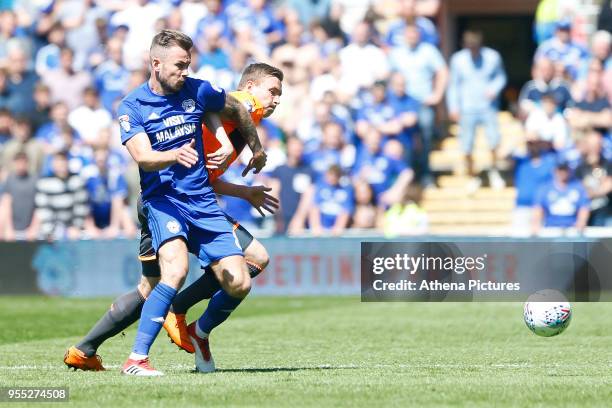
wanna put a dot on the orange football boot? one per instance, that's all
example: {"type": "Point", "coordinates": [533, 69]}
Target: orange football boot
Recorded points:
{"type": "Point", "coordinates": [75, 358]}
{"type": "Point", "coordinates": [176, 327]}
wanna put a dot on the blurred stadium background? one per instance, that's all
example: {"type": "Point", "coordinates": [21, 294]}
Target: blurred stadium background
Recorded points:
{"type": "Point", "coordinates": [379, 91]}
{"type": "Point", "coordinates": [375, 136]}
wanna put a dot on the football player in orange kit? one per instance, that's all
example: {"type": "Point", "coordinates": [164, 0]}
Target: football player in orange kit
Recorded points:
{"type": "Point", "coordinates": [259, 90]}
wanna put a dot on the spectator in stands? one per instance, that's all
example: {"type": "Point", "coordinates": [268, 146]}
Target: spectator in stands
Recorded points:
{"type": "Point", "coordinates": [309, 10]}
{"type": "Point", "coordinates": [61, 203]}
{"type": "Point", "coordinates": [39, 114]}
{"type": "Point", "coordinates": [545, 123]}
{"type": "Point", "coordinates": [367, 214]}
{"type": "Point", "coordinates": [81, 21]}
{"type": "Point", "coordinates": [48, 57]}
{"type": "Point", "coordinates": [592, 107]}
{"type": "Point", "coordinates": [333, 204]}
{"type": "Point", "coordinates": [12, 33]}
{"type": "Point", "coordinates": [17, 200]}
{"type": "Point", "coordinates": [4, 92]}
{"type": "Point", "coordinates": [259, 17]}
{"type": "Point", "coordinates": [22, 141]}
{"type": "Point", "coordinates": [21, 82]}
{"type": "Point", "coordinates": [49, 134]}
{"type": "Point", "coordinates": [6, 121]}
{"type": "Point", "coordinates": [355, 73]}
{"type": "Point", "coordinates": [310, 127]}
{"type": "Point", "coordinates": [546, 17]}
{"type": "Point", "coordinates": [408, 14]}
{"type": "Point", "coordinates": [388, 177]}
{"type": "Point", "coordinates": [601, 47]}
{"type": "Point", "coordinates": [90, 118]}
{"type": "Point", "coordinates": [406, 217]}
{"type": "Point", "coordinates": [407, 109]}
{"type": "Point", "coordinates": [80, 156]}
{"type": "Point", "coordinates": [595, 172]}
{"type": "Point", "coordinates": [213, 61]}
{"type": "Point", "coordinates": [477, 78]}
{"type": "Point", "coordinates": [111, 77]}
{"type": "Point", "coordinates": [561, 49]}
{"type": "Point", "coordinates": [394, 114]}
{"type": "Point", "coordinates": [66, 84]}
{"type": "Point", "coordinates": [563, 203]}
{"type": "Point", "coordinates": [107, 192]}
{"type": "Point", "coordinates": [331, 151]}
{"type": "Point", "coordinates": [426, 75]}
{"type": "Point", "coordinates": [532, 170]}
{"type": "Point", "coordinates": [140, 18]}
{"type": "Point", "coordinates": [215, 17]}
{"type": "Point", "coordinates": [543, 82]}
{"type": "Point", "coordinates": [289, 183]}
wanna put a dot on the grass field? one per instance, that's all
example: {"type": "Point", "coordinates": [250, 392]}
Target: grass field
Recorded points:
{"type": "Point", "coordinates": [326, 352]}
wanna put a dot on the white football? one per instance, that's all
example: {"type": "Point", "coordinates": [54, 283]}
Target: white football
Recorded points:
{"type": "Point", "coordinates": [547, 313]}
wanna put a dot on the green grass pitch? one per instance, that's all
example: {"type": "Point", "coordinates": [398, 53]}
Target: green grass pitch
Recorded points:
{"type": "Point", "coordinates": [325, 352]}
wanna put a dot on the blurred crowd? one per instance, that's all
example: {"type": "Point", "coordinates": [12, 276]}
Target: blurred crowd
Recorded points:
{"type": "Point", "coordinates": [348, 147]}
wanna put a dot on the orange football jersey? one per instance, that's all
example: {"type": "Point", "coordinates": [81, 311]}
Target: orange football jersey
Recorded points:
{"type": "Point", "coordinates": [211, 144]}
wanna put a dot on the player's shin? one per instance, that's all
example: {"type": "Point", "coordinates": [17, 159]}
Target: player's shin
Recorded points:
{"type": "Point", "coordinates": [153, 313]}
{"type": "Point", "coordinates": [124, 311]}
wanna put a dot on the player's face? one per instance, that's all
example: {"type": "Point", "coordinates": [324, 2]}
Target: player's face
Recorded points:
{"type": "Point", "coordinates": [268, 90]}
{"type": "Point", "coordinates": [172, 68]}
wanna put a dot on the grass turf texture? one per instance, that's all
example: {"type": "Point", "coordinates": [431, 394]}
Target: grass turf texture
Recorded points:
{"type": "Point", "coordinates": [325, 352]}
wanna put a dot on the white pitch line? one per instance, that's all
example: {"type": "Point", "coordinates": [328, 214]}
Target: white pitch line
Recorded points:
{"type": "Point", "coordinates": [319, 367]}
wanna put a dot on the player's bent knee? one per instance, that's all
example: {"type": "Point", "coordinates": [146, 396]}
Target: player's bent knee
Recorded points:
{"type": "Point", "coordinates": [146, 285]}
{"type": "Point", "coordinates": [239, 288]}
{"type": "Point", "coordinates": [256, 254]}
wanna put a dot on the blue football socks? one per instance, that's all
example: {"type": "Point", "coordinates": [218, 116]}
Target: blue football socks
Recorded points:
{"type": "Point", "coordinates": [219, 308]}
{"type": "Point", "coordinates": [152, 318]}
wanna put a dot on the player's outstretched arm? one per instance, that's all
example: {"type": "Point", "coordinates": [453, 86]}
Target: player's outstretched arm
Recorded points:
{"type": "Point", "coordinates": [257, 196]}
{"type": "Point", "coordinates": [148, 159]}
{"type": "Point", "coordinates": [235, 111]}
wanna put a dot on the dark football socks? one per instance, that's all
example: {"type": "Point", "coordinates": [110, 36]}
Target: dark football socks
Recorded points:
{"type": "Point", "coordinates": [124, 311]}
{"type": "Point", "coordinates": [203, 288]}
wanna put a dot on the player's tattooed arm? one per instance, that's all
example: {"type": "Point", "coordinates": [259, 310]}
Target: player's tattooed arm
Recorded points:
{"type": "Point", "coordinates": [236, 112]}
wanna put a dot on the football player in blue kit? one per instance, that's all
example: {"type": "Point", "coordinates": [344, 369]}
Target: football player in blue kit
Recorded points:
{"type": "Point", "coordinates": [161, 128]}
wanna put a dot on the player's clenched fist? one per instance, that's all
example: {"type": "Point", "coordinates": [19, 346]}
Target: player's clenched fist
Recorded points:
{"type": "Point", "coordinates": [187, 155]}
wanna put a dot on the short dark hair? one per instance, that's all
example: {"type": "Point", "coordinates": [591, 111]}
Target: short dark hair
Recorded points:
{"type": "Point", "coordinates": [169, 38]}
{"type": "Point", "coordinates": [255, 72]}
{"type": "Point", "coordinates": [20, 155]}
{"type": "Point", "coordinates": [62, 154]}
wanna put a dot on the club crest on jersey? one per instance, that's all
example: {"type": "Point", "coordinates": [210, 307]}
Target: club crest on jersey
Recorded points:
{"type": "Point", "coordinates": [124, 121]}
{"type": "Point", "coordinates": [249, 106]}
{"type": "Point", "coordinates": [173, 226]}
{"type": "Point", "coordinates": [189, 105]}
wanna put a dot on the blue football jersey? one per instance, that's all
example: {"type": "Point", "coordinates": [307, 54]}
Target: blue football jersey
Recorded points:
{"type": "Point", "coordinates": [171, 121]}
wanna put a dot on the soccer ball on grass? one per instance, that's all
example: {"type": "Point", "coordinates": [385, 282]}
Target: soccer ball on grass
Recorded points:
{"type": "Point", "coordinates": [547, 313]}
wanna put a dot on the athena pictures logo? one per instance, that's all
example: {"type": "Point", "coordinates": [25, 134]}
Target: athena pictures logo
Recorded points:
{"type": "Point", "coordinates": [173, 226]}
{"type": "Point", "coordinates": [189, 105]}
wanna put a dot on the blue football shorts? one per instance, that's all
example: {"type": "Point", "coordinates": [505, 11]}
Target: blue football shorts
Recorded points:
{"type": "Point", "coordinates": [204, 227]}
